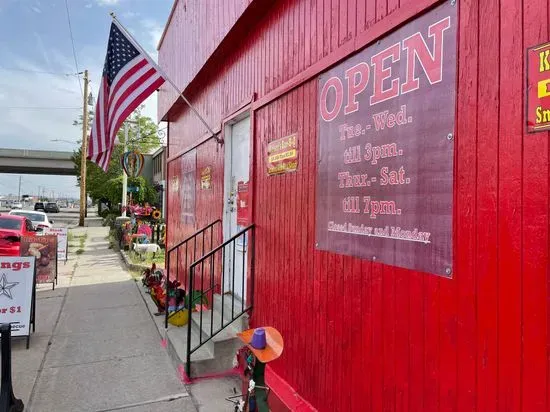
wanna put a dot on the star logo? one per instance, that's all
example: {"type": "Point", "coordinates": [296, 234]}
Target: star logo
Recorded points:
{"type": "Point", "coordinates": [6, 287]}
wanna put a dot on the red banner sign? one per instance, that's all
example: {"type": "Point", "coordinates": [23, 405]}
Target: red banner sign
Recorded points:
{"type": "Point", "coordinates": [188, 185]}
{"type": "Point", "coordinates": [386, 127]}
{"type": "Point", "coordinates": [243, 211]}
{"type": "Point", "coordinates": [538, 88]}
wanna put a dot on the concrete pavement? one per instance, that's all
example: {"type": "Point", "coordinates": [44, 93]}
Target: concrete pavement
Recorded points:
{"type": "Point", "coordinates": [96, 347]}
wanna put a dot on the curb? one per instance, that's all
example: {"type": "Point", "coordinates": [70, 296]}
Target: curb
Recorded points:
{"type": "Point", "coordinates": [128, 263]}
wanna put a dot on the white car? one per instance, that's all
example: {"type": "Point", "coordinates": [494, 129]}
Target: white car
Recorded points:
{"type": "Point", "coordinates": [17, 205]}
{"type": "Point", "coordinates": [39, 219]}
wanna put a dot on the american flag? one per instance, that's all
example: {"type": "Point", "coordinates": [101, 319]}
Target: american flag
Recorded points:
{"type": "Point", "coordinates": [128, 79]}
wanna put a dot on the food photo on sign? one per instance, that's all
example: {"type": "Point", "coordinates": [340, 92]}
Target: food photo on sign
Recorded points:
{"type": "Point", "coordinates": [44, 249]}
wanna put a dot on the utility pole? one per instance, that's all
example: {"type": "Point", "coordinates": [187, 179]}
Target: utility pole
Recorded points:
{"type": "Point", "coordinates": [84, 154]}
{"type": "Point", "coordinates": [19, 192]}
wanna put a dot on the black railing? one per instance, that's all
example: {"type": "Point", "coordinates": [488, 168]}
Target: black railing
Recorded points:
{"type": "Point", "coordinates": [225, 268]}
{"type": "Point", "coordinates": [191, 248]}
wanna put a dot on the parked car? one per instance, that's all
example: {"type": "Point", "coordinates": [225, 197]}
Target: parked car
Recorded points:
{"type": "Point", "coordinates": [51, 207]}
{"type": "Point", "coordinates": [39, 206]}
{"type": "Point", "coordinates": [17, 205]}
{"type": "Point", "coordinates": [39, 219]}
{"type": "Point", "coordinates": [12, 227]}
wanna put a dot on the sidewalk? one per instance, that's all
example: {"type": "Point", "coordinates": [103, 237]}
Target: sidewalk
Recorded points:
{"type": "Point", "coordinates": [96, 347]}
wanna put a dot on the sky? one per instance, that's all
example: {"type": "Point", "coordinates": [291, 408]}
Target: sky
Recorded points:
{"type": "Point", "coordinates": [40, 95]}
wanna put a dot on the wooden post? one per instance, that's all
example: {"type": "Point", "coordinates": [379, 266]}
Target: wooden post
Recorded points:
{"type": "Point", "coordinates": [84, 154]}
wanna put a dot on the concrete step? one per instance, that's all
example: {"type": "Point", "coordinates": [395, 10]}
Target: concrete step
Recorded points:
{"type": "Point", "coordinates": [225, 343]}
{"type": "Point", "coordinates": [216, 355]}
{"type": "Point", "coordinates": [229, 309]}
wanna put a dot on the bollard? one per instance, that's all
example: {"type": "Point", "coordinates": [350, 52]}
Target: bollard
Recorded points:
{"type": "Point", "coordinates": [8, 401]}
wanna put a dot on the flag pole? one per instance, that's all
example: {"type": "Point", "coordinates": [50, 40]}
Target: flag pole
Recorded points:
{"type": "Point", "coordinates": [162, 73]}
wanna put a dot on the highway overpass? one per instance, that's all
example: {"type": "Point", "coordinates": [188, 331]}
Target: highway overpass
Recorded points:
{"type": "Point", "coordinates": [38, 162]}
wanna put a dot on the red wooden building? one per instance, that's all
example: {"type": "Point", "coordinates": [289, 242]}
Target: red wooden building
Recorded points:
{"type": "Point", "coordinates": [451, 317]}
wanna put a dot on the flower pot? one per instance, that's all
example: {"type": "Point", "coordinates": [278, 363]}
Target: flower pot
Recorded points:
{"type": "Point", "coordinates": [179, 318]}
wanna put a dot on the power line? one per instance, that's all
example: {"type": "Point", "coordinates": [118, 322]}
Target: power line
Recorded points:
{"type": "Point", "coordinates": [72, 43]}
{"type": "Point", "coordinates": [39, 108]}
{"type": "Point", "coordinates": [15, 69]}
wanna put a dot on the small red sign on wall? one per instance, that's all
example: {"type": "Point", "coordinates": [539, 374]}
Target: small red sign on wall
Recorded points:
{"type": "Point", "coordinates": [243, 211]}
{"type": "Point", "coordinates": [538, 88]}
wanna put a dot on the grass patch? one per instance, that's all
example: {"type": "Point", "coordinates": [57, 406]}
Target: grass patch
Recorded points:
{"type": "Point", "coordinates": [149, 259]}
{"type": "Point", "coordinates": [136, 275]}
{"type": "Point", "coordinates": [76, 241]}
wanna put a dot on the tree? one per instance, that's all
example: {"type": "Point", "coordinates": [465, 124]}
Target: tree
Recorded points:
{"type": "Point", "coordinates": [144, 194]}
{"type": "Point", "coordinates": [108, 185]}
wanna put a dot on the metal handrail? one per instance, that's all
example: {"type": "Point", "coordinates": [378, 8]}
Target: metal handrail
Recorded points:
{"type": "Point", "coordinates": [249, 248]}
{"type": "Point", "coordinates": [176, 249]}
{"type": "Point", "coordinates": [225, 243]}
{"type": "Point", "coordinates": [193, 235]}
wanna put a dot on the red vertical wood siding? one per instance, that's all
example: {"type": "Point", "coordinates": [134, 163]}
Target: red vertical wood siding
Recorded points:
{"type": "Point", "coordinates": [362, 335]}
{"type": "Point", "coordinates": [198, 27]}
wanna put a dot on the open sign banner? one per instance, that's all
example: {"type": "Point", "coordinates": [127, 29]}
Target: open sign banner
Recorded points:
{"type": "Point", "coordinates": [386, 144]}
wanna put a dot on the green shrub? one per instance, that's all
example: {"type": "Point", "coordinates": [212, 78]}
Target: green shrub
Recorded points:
{"type": "Point", "coordinates": [110, 218]}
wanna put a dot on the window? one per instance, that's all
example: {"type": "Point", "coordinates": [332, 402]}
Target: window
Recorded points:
{"type": "Point", "coordinates": [11, 224]}
{"type": "Point", "coordinates": [35, 217]}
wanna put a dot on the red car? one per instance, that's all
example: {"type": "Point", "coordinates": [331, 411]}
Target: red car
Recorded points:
{"type": "Point", "coordinates": [12, 227]}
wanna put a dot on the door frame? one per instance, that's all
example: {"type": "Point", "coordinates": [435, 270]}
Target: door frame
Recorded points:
{"type": "Point", "coordinates": [231, 117]}
{"type": "Point", "coordinates": [230, 228]}
{"type": "Point", "coordinates": [227, 127]}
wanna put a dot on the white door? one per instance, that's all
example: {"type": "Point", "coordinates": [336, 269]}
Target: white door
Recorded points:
{"type": "Point", "coordinates": [237, 163]}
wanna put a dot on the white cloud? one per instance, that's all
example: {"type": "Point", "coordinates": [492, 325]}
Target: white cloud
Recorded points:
{"type": "Point", "coordinates": [129, 14]}
{"type": "Point", "coordinates": [108, 2]}
{"type": "Point", "coordinates": [154, 30]}
{"type": "Point", "coordinates": [36, 9]}
{"type": "Point", "coordinates": [89, 5]}
{"type": "Point", "coordinates": [41, 48]}
{"type": "Point", "coordinates": [35, 129]}
{"type": "Point", "coordinates": [27, 128]}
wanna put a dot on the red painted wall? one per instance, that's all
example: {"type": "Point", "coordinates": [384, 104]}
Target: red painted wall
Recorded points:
{"type": "Point", "coordinates": [362, 335]}
{"type": "Point", "coordinates": [198, 27]}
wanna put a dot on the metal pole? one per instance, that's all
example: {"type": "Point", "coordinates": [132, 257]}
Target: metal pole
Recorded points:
{"type": "Point", "coordinates": [84, 154]}
{"type": "Point", "coordinates": [8, 401]}
{"type": "Point", "coordinates": [124, 175]}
